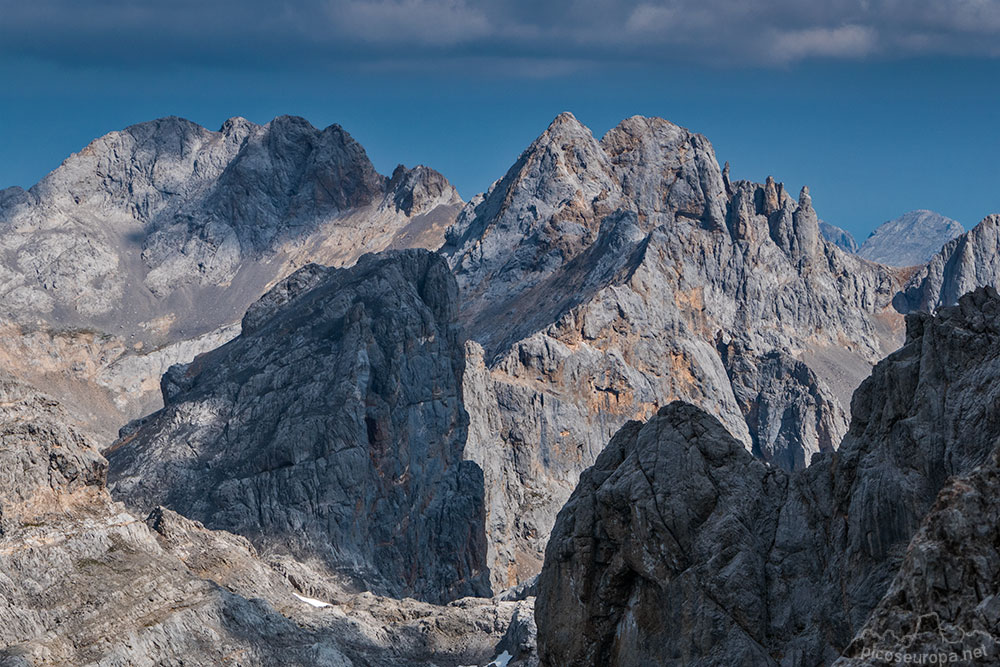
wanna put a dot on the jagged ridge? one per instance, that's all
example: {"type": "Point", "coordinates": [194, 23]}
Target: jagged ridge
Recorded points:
{"type": "Point", "coordinates": [603, 279]}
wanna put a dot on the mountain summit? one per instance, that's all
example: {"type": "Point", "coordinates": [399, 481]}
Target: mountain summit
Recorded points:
{"type": "Point", "coordinates": [602, 279]}
{"type": "Point", "coordinates": [149, 244]}
{"type": "Point", "coordinates": [910, 239]}
{"type": "Point", "coordinates": [166, 229]}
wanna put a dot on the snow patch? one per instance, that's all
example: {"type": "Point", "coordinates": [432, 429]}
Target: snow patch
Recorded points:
{"type": "Point", "coordinates": [319, 603]}
{"type": "Point", "coordinates": [501, 660]}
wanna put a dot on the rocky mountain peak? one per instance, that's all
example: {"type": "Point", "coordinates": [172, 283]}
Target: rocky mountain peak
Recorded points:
{"type": "Point", "coordinates": [137, 171]}
{"type": "Point", "coordinates": [565, 122]}
{"type": "Point", "coordinates": [911, 239]}
{"type": "Point", "coordinates": [805, 201]}
{"type": "Point", "coordinates": [566, 145]}
{"type": "Point", "coordinates": [236, 125]}
{"type": "Point", "coordinates": [237, 130]}
{"type": "Point", "coordinates": [296, 173]}
{"type": "Point", "coordinates": [372, 489]}
{"type": "Point", "coordinates": [168, 132]}
{"type": "Point", "coordinates": [689, 289]}
{"type": "Point", "coordinates": [421, 189]}
{"type": "Point", "coordinates": [541, 214]}
{"type": "Point", "coordinates": [156, 238]}
{"type": "Point", "coordinates": [962, 264]}
{"type": "Point", "coordinates": [807, 225]}
{"type": "Point", "coordinates": [687, 181]}
{"type": "Point", "coordinates": [773, 195]}
{"type": "Point", "coordinates": [767, 213]}
{"type": "Point", "coordinates": [548, 209]}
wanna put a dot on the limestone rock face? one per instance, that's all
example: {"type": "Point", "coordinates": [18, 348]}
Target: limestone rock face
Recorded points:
{"type": "Point", "coordinates": [331, 429]}
{"type": "Point", "coordinates": [167, 208]}
{"type": "Point", "coordinates": [784, 405]}
{"type": "Point", "coordinates": [679, 546]}
{"type": "Point", "coordinates": [598, 278]}
{"type": "Point", "coordinates": [943, 600]}
{"type": "Point", "coordinates": [911, 239]}
{"type": "Point", "coordinates": [165, 233]}
{"type": "Point", "coordinates": [549, 206]}
{"type": "Point", "coordinates": [45, 464]}
{"type": "Point", "coordinates": [638, 547]}
{"type": "Point", "coordinates": [963, 264]}
{"type": "Point", "coordinates": [82, 580]}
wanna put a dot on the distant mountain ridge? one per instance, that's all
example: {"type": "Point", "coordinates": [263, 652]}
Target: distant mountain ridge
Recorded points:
{"type": "Point", "coordinates": [910, 239]}
{"type": "Point", "coordinates": [841, 238]}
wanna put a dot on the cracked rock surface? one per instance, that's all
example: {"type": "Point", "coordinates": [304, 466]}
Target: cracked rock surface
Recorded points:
{"type": "Point", "coordinates": [679, 546]}
{"type": "Point", "coordinates": [332, 429]}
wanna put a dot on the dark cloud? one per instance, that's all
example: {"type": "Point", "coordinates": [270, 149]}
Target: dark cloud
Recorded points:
{"type": "Point", "coordinates": [549, 35]}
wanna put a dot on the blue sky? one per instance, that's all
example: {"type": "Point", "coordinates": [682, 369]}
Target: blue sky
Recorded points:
{"type": "Point", "coordinates": [880, 107]}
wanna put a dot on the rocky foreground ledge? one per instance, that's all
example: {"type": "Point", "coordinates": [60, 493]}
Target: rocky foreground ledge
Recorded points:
{"type": "Point", "coordinates": [678, 547]}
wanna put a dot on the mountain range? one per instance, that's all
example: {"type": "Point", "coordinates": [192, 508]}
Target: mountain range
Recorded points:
{"type": "Point", "coordinates": [262, 401]}
{"type": "Point", "coordinates": [909, 240]}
